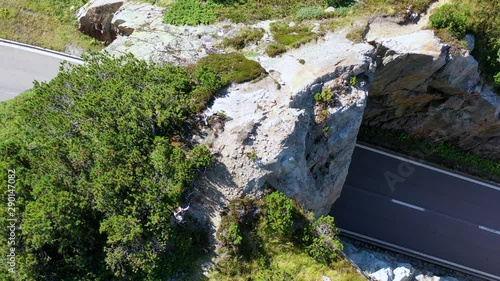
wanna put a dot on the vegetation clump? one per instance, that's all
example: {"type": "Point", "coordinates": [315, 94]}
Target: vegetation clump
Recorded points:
{"type": "Point", "coordinates": [272, 238]}
{"type": "Point", "coordinates": [233, 67]}
{"type": "Point", "coordinates": [481, 18]}
{"type": "Point", "coordinates": [244, 38]}
{"type": "Point", "coordinates": [103, 169]}
{"type": "Point", "coordinates": [190, 12]}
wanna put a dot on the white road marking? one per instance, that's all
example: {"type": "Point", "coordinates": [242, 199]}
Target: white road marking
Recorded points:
{"type": "Point", "coordinates": [42, 51]}
{"type": "Point", "coordinates": [408, 205]}
{"type": "Point", "coordinates": [419, 255]}
{"type": "Point", "coordinates": [430, 167]}
{"type": "Point", "coordinates": [489, 229]}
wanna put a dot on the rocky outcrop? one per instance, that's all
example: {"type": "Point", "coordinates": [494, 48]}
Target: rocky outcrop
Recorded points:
{"type": "Point", "coordinates": [138, 28]}
{"type": "Point", "coordinates": [271, 136]}
{"type": "Point", "coordinates": [432, 90]}
{"type": "Point", "coordinates": [94, 19]}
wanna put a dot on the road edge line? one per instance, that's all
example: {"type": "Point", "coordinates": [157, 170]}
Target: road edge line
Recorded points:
{"type": "Point", "coordinates": [37, 49]}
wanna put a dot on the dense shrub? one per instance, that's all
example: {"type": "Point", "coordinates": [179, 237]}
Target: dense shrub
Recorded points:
{"type": "Point", "coordinates": [449, 17]}
{"type": "Point", "coordinates": [279, 213]}
{"type": "Point", "coordinates": [190, 12]}
{"type": "Point", "coordinates": [99, 177]}
{"type": "Point", "coordinates": [322, 239]}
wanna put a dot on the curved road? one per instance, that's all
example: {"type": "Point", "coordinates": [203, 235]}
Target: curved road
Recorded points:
{"type": "Point", "coordinates": [406, 205]}
{"type": "Point", "coordinates": [20, 65]}
{"type": "Point", "coordinates": [386, 199]}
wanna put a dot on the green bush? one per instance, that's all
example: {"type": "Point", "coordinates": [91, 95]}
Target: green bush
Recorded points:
{"type": "Point", "coordinates": [307, 13]}
{"type": "Point", "coordinates": [103, 129]}
{"type": "Point", "coordinates": [279, 213]}
{"type": "Point", "coordinates": [190, 12]}
{"type": "Point", "coordinates": [450, 18]}
{"type": "Point", "coordinates": [353, 81]}
{"type": "Point", "coordinates": [325, 96]}
{"type": "Point", "coordinates": [233, 67]}
{"type": "Point", "coordinates": [323, 243]}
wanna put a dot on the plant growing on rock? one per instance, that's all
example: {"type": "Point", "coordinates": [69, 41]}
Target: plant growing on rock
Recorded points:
{"type": "Point", "coordinates": [244, 38]}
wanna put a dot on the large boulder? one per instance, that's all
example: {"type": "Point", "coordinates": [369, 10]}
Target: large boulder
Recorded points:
{"type": "Point", "coordinates": [430, 89]}
{"type": "Point", "coordinates": [94, 19]}
{"type": "Point", "coordinates": [271, 137]}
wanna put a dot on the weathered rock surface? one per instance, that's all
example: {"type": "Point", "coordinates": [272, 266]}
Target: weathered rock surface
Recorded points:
{"type": "Point", "coordinates": [94, 19]}
{"type": "Point", "coordinates": [380, 264]}
{"type": "Point", "coordinates": [430, 89]}
{"type": "Point", "coordinates": [271, 137]}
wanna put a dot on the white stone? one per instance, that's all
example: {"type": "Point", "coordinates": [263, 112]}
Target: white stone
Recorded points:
{"type": "Point", "coordinates": [403, 272]}
{"type": "Point", "coordinates": [329, 10]}
{"type": "Point", "coordinates": [384, 274]}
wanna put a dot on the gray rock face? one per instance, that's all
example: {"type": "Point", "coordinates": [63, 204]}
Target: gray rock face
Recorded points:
{"type": "Point", "coordinates": [271, 137]}
{"type": "Point", "coordinates": [425, 88]}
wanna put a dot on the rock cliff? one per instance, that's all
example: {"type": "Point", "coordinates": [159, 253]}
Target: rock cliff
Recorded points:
{"type": "Point", "coordinates": [432, 90]}
{"type": "Point", "coordinates": [273, 133]}
{"type": "Point", "coordinates": [272, 136]}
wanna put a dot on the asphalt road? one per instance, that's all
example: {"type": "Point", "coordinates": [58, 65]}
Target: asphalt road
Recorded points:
{"type": "Point", "coordinates": [20, 66]}
{"type": "Point", "coordinates": [424, 210]}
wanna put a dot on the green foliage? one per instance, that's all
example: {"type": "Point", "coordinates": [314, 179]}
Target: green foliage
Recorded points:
{"type": "Point", "coordinates": [481, 18]}
{"type": "Point", "coordinates": [251, 155]}
{"type": "Point", "coordinates": [338, 3]}
{"type": "Point", "coordinates": [325, 96]}
{"type": "Point", "coordinates": [308, 13]}
{"type": "Point", "coordinates": [293, 36]}
{"type": "Point", "coordinates": [273, 239]}
{"type": "Point", "coordinates": [244, 38]}
{"type": "Point", "coordinates": [451, 18]}
{"type": "Point", "coordinates": [279, 213]}
{"type": "Point", "coordinates": [274, 50]}
{"type": "Point", "coordinates": [190, 12]}
{"type": "Point", "coordinates": [233, 67]}
{"type": "Point", "coordinates": [99, 175]}
{"type": "Point", "coordinates": [322, 239]}
{"type": "Point", "coordinates": [353, 81]}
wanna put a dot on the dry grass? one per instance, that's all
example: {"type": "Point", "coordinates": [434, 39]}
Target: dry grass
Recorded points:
{"type": "Point", "coordinates": [43, 23]}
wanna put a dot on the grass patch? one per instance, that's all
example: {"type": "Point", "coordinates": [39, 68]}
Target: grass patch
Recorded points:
{"type": "Point", "coordinates": [441, 153]}
{"type": "Point", "coordinates": [274, 239]}
{"type": "Point", "coordinates": [244, 38]}
{"type": "Point", "coordinates": [45, 23]}
{"type": "Point", "coordinates": [292, 36]}
{"type": "Point", "coordinates": [190, 12]}
{"type": "Point", "coordinates": [288, 37]}
{"type": "Point", "coordinates": [233, 67]}
{"type": "Point", "coordinates": [309, 13]}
